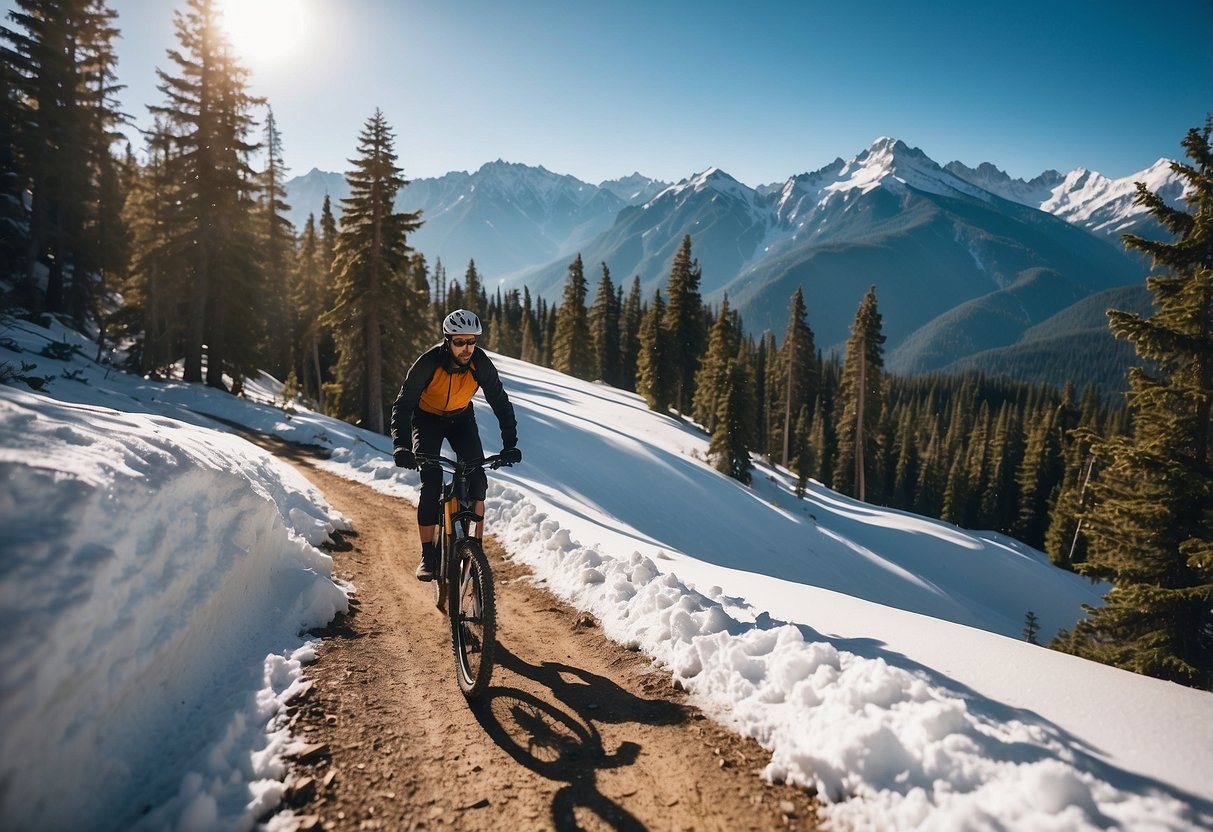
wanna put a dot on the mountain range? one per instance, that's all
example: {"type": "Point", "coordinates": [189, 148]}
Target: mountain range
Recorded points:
{"type": "Point", "coordinates": [969, 264]}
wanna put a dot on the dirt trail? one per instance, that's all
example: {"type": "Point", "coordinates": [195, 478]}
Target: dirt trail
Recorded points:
{"type": "Point", "coordinates": [575, 733]}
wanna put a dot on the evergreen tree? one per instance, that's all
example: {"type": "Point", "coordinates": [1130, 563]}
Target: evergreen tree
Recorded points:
{"type": "Point", "coordinates": [454, 299]}
{"type": "Point", "coordinates": [1039, 474]}
{"type": "Point", "coordinates": [797, 369]}
{"type": "Point", "coordinates": [804, 460]}
{"type": "Point", "coordinates": [1150, 528]}
{"type": "Point", "coordinates": [328, 237]}
{"type": "Point", "coordinates": [439, 289]}
{"type": "Point", "coordinates": [510, 332]}
{"type": "Point", "coordinates": [1000, 499]}
{"type": "Point", "coordinates": [604, 330]}
{"type": "Point", "coordinates": [819, 443]}
{"type": "Point", "coordinates": [60, 92]}
{"type": "Point", "coordinates": [152, 318]}
{"type": "Point", "coordinates": [474, 296]}
{"type": "Point", "coordinates": [210, 213]}
{"type": "Point", "coordinates": [766, 367]}
{"type": "Point", "coordinates": [724, 340]}
{"type": "Point", "coordinates": [652, 361]}
{"type": "Point", "coordinates": [379, 320]}
{"type": "Point", "coordinates": [629, 335]}
{"type": "Point", "coordinates": [13, 176]}
{"type": "Point", "coordinates": [1031, 627]}
{"type": "Point", "coordinates": [858, 406]}
{"type": "Point", "coordinates": [311, 298]}
{"type": "Point", "coordinates": [683, 322]}
{"type": "Point", "coordinates": [531, 351]}
{"type": "Point", "coordinates": [572, 352]}
{"type": "Point", "coordinates": [548, 336]}
{"type": "Point", "coordinates": [906, 469]}
{"type": "Point", "coordinates": [736, 416]}
{"type": "Point", "coordinates": [276, 247]}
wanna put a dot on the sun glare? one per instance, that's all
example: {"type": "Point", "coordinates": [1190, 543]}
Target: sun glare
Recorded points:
{"type": "Point", "coordinates": [263, 30]}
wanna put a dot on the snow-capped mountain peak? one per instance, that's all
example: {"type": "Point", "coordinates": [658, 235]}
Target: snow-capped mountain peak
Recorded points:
{"type": "Point", "coordinates": [713, 179]}
{"type": "Point", "coordinates": [888, 163]}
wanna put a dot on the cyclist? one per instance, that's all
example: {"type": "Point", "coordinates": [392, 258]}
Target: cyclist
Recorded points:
{"type": "Point", "coordinates": [435, 403]}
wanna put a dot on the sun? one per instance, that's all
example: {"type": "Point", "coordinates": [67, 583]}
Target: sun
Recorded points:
{"type": "Point", "coordinates": [263, 30]}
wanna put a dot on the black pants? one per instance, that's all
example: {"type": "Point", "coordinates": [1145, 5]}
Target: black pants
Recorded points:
{"type": "Point", "coordinates": [461, 431]}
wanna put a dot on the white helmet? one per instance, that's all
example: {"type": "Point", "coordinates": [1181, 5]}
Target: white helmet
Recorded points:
{"type": "Point", "coordinates": [461, 322]}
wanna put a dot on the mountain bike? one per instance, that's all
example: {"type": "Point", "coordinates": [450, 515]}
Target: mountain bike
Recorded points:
{"type": "Point", "coordinates": [463, 586]}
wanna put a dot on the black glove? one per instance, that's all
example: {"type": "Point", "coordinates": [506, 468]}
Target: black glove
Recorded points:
{"type": "Point", "coordinates": [510, 456]}
{"type": "Point", "coordinates": [404, 458]}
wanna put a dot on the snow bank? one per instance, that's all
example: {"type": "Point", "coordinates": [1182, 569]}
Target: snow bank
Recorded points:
{"type": "Point", "coordinates": [158, 582]}
{"type": "Point", "coordinates": [885, 746]}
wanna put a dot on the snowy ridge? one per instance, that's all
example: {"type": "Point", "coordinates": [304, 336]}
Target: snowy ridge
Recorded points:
{"type": "Point", "coordinates": [1081, 197]}
{"type": "Point", "coordinates": [1105, 205]}
{"type": "Point", "coordinates": [1033, 192]}
{"type": "Point", "coordinates": [634, 189]}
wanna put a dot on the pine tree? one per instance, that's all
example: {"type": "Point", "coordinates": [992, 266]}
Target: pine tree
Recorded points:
{"type": "Point", "coordinates": [819, 443]}
{"type": "Point", "coordinates": [736, 416]}
{"type": "Point", "coordinates": [474, 296]}
{"type": "Point", "coordinates": [311, 298]}
{"type": "Point", "coordinates": [439, 289]}
{"type": "Point", "coordinates": [713, 377]}
{"type": "Point", "coordinates": [858, 408]}
{"type": "Point", "coordinates": [766, 365]}
{"type": "Point", "coordinates": [685, 329]}
{"type": "Point", "coordinates": [797, 370]}
{"type": "Point", "coordinates": [152, 318]}
{"type": "Point", "coordinates": [328, 236]}
{"type": "Point", "coordinates": [652, 361]}
{"type": "Point", "coordinates": [1031, 627]}
{"type": "Point", "coordinates": [572, 351]}
{"type": "Point", "coordinates": [1039, 473]}
{"type": "Point", "coordinates": [276, 246]}
{"type": "Point", "coordinates": [804, 460]}
{"type": "Point", "coordinates": [211, 212]}
{"type": "Point", "coordinates": [379, 320]}
{"type": "Point", "coordinates": [604, 330]}
{"type": "Point", "coordinates": [906, 469]}
{"type": "Point", "coordinates": [531, 352]}
{"type": "Point", "coordinates": [629, 335]}
{"type": "Point", "coordinates": [59, 74]}
{"type": "Point", "coordinates": [13, 176]}
{"type": "Point", "coordinates": [1150, 528]}
{"type": "Point", "coordinates": [548, 336]}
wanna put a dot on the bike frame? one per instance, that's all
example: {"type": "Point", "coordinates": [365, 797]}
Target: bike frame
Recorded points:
{"type": "Point", "coordinates": [463, 587]}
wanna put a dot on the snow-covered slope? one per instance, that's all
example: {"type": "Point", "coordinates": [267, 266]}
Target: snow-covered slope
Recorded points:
{"type": "Point", "coordinates": [874, 652]}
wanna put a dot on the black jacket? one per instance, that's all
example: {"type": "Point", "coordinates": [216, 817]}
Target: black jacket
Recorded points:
{"type": "Point", "coordinates": [438, 366]}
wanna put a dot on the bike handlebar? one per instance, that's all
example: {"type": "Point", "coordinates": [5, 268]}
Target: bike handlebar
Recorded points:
{"type": "Point", "coordinates": [493, 461]}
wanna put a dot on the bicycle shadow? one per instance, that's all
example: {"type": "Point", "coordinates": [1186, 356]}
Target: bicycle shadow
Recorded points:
{"type": "Point", "coordinates": [558, 739]}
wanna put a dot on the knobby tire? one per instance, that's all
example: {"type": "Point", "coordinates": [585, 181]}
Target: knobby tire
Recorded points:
{"type": "Point", "coordinates": [473, 616]}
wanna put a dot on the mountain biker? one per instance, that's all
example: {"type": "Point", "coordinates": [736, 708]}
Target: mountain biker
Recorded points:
{"type": "Point", "coordinates": [435, 403]}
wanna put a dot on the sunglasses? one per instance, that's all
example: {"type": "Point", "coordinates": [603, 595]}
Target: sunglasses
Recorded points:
{"type": "Point", "coordinates": [460, 343]}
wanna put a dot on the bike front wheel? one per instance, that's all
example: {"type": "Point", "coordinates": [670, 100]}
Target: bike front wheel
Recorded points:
{"type": "Point", "coordinates": [473, 617]}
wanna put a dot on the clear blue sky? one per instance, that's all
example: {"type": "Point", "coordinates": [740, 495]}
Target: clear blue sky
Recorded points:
{"type": "Point", "coordinates": [762, 90]}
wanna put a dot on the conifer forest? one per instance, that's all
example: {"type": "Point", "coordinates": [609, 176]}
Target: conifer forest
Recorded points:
{"type": "Point", "coordinates": [172, 247]}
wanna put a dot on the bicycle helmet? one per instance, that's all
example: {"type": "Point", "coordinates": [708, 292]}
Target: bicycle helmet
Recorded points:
{"type": "Point", "coordinates": [461, 322]}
